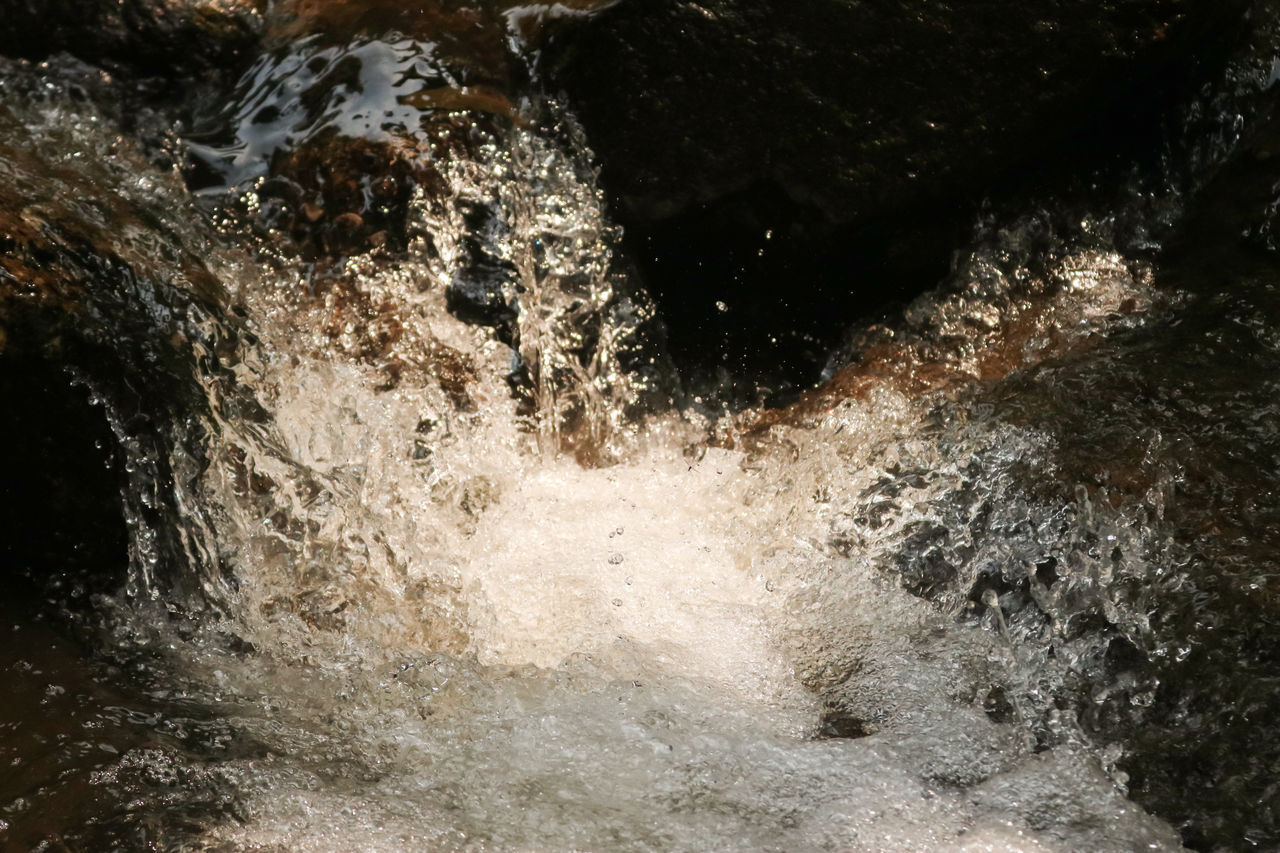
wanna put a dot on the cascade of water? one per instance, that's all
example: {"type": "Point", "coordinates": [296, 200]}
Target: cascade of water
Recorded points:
{"type": "Point", "coordinates": [470, 590]}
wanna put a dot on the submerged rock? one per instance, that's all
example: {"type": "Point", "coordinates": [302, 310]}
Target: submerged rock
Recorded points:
{"type": "Point", "coordinates": [335, 139]}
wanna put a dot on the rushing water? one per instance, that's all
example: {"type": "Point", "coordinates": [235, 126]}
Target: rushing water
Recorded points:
{"type": "Point", "coordinates": [396, 581]}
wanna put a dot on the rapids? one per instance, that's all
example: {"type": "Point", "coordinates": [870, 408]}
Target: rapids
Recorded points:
{"type": "Point", "coordinates": [398, 579]}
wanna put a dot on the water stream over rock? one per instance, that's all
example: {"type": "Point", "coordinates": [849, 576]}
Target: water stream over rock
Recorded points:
{"type": "Point", "coordinates": [355, 498]}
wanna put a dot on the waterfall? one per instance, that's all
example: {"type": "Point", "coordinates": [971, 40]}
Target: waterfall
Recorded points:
{"type": "Point", "coordinates": [430, 545]}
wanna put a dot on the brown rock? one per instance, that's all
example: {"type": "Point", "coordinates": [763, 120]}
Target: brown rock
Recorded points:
{"type": "Point", "coordinates": [167, 37]}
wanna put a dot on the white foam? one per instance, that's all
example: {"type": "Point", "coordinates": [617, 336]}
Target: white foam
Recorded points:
{"type": "Point", "coordinates": [656, 553]}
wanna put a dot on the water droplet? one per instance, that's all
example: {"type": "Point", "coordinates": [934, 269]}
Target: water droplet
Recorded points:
{"type": "Point", "coordinates": [615, 559]}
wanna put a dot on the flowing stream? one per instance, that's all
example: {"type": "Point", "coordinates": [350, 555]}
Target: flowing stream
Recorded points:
{"type": "Point", "coordinates": [396, 581]}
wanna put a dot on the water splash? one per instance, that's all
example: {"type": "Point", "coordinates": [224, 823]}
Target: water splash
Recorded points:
{"type": "Point", "coordinates": [433, 630]}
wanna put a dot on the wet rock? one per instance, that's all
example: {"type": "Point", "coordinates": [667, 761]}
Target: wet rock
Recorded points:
{"type": "Point", "coordinates": [75, 241]}
{"type": "Point", "coordinates": [335, 153]}
{"type": "Point", "coordinates": [470, 37]}
{"type": "Point", "coordinates": [697, 101]}
{"type": "Point", "coordinates": [148, 36]}
{"type": "Point", "coordinates": [840, 723]}
{"type": "Point", "coordinates": [476, 37]}
{"type": "Point", "coordinates": [367, 328]}
{"type": "Point", "coordinates": [1190, 446]}
{"type": "Point", "coordinates": [478, 293]}
{"type": "Point", "coordinates": [103, 284]}
{"type": "Point", "coordinates": [987, 321]}
{"type": "Point", "coordinates": [1148, 584]}
{"type": "Point", "coordinates": [843, 144]}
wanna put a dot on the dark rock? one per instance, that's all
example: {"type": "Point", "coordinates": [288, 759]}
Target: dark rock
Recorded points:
{"type": "Point", "coordinates": [159, 37]}
{"type": "Point", "coordinates": [469, 37]}
{"type": "Point", "coordinates": [62, 528]}
{"type": "Point", "coordinates": [998, 707]}
{"type": "Point", "coordinates": [838, 147]}
{"type": "Point", "coordinates": [838, 722]}
{"type": "Point", "coordinates": [475, 37]}
{"type": "Point", "coordinates": [855, 108]}
{"type": "Point", "coordinates": [483, 290]}
{"type": "Point", "coordinates": [477, 294]}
